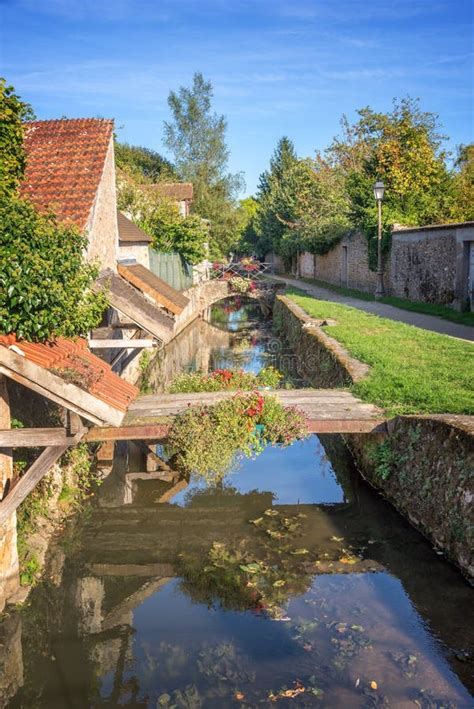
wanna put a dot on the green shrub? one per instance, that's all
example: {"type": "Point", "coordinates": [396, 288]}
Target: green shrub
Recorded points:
{"type": "Point", "coordinates": [222, 379]}
{"type": "Point", "coordinates": [45, 285]}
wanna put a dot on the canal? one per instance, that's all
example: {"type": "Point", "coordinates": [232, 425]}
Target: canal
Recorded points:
{"type": "Point", "coordinates": [144, 604]}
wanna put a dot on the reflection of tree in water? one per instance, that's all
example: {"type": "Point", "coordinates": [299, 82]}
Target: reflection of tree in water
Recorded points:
{"type": "Point", "coordinates": [260, 573]}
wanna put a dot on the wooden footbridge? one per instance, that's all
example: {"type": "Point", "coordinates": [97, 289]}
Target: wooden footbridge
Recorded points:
{"type": "Point", "coordinates": [327, 411]}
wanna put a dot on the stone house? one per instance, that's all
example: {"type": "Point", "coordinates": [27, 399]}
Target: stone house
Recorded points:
{"type": "Point", "coordinates": [71, 170]}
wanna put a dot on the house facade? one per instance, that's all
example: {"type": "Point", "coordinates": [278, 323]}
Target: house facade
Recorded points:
{"type": "Point", "coordinates": [71, 171]}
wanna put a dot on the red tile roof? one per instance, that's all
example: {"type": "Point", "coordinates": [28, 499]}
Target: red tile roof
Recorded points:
{"type": "Point", "coordinates": [73, 362]}
{"type": "Point", "coordinates": [174, 190]}
{"type": "Point", "coordinates": [65, 162]}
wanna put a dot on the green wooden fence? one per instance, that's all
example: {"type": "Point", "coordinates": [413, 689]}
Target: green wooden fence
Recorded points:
{"type": "Point", "coordinates": [172, 269]}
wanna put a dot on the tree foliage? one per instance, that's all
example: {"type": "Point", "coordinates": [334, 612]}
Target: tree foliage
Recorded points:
{"type": "Point", "coordinates": [45, 287]}
{"type": "Point", "coordinates": [173, 233]}
{"type": "Point", "coordinates": [12, 112]}
{"type": "Point", "coordinates": [196, 137]}
{"type": "Point", "coordinates": [301, 204]}
{"type": "Point", "coordinates": [403, 148]}
{"type": "Point", "coordinates": [144, 163]}
{"type": "Point", "coordinates": [310, 203]}
{"type": "Point", "coordinates": [463, 208]}
{"type": "Point", "coordinates": [161, 219]}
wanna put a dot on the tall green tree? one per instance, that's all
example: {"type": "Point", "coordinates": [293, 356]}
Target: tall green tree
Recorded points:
{"type": "Point", "coordinates": [404, 149]}
{"type": "Point", "coordinates": [463, 208]}
{"type": "Point", "coordinates": [143, 163]}
{"type": "Point", "coordinates": [12, 112]}
{"type": "Point", "coordinates": [269, 226]}
{"type": "Point", "coordinates": [195, 135]}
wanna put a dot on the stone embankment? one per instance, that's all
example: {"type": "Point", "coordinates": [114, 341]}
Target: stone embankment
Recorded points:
{"type": "Point", "coordinates": [423, 465]}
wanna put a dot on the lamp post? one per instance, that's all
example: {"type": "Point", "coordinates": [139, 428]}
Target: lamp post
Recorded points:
{"type": "Point", "coordinates": [379, 189]}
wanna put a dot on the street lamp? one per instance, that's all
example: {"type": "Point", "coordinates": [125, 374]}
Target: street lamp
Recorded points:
{"type": "Point", "coordinates": [379, 189]}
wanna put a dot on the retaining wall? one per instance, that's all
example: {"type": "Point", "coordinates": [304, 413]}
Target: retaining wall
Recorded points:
{"type": "Point", "coordinates": [423, 465]}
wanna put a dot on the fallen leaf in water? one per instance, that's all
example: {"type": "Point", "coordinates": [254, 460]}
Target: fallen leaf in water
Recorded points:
{"type": "Point", "coordinates": [308, 647]}
{"type": "Point", "coordinates": [271, 513]}
{"type": "Point", "coordinates": [337, 539]}
{"type": "Point", "coordinates": [300, 551]}
{"type": "Point", "coordinates": [347, 560]}
{"type": "Point", "coordinates": [259, 520]}
{"type": "Point", "coordinates": [279, 583]}
{"type": "Point", "coordinates": [240, 696]}
{"type": "Point", "coordinates": [374, 685]}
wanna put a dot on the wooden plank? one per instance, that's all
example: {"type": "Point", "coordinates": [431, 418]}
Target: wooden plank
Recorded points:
{"type": "Point", "coordinates": [116, 344]}
{"type": "Point", "coordinates": [138, 432]}
{"type": "Point", "coordinates": [29, 480]}
{"type": "Point", "coordinates": [133, 305]}
{"type": "Point", "coordinates": [56, 389]}
{"type": "Point", "coordinates": [347, 425]}
{"type": "Point", "coordinates": [33, 437]}
{"type": "Point", "coordinates": [160, 291]}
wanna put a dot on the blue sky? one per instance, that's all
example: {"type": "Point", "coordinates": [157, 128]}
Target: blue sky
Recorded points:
{"type": "Point", "coordinates": [278, 67]}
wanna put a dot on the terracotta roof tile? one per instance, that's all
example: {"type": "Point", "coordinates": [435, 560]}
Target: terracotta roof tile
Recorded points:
{"type": "Point", "coordinates": [72, 360]}
{"type": "Point", "coordinates": [65, 162]}
{"type": "Point", "coordinates": [174, 190]}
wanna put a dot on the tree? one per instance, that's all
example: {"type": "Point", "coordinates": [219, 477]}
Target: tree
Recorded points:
{"type": "Point", "coordinates": [463, 209]}
{"type": "Point", "coordinates": [12, 112]}
{"type": "Point", "coordinates": [196, 137]}
{"type": "Point", "coordinates": [269, 228]}
{"type": "Point", "coordinates": [144, 163]}
{"type": "Point", "coordinates": [45, 287]}
{"type": "Point", "coordinates": [404, 149]}
{"type": "Point", "coordinates": [173, 233]}
{"type": "Point", "coordinates": [301, 204]}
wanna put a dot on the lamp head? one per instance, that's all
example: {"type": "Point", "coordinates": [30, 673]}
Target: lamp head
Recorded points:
{"type": "Point", "coordinates": [379, 189]}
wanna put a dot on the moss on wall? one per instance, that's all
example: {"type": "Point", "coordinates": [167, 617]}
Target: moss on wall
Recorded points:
{"type": "Point", "coordinates": [425, 468]}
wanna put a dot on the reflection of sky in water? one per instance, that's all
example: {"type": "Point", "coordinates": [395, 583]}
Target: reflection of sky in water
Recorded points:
{"type": "Point", "coordinates": [300, 473]}
{"type": "Point", "coordinates": [169, 624]}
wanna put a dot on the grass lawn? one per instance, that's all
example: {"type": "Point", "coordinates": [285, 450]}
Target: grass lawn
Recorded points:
{"type": "Point", "coordinates": [440, 311]}
{"type": "Point", "coordinates": [412, 370]}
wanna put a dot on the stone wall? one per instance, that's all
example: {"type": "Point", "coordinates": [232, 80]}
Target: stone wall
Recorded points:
{"type": "Point", "coordinates": [430, 264]}
{"type": "Point", "coordinates": [102, 229]}
{"type": "Point", "coordinates": [139, 252]}
{"type": "Point", "coordinates": [201, 297]}
{"type": "Point", "coordinates": [347, 264]}
{"type": "Point", "coordinates": [307, 264]}
{"type": "Point", "coordinates": [322, 361]}
{"type": "Point", "coordinates": [425, 468]}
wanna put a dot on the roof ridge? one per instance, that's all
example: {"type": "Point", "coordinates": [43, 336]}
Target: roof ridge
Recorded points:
{"type": "Point", "coordinates": [69, 120]}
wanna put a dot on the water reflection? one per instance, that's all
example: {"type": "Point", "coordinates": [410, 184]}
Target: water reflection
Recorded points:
{"type": "Point", "coordinates": [151, 601]}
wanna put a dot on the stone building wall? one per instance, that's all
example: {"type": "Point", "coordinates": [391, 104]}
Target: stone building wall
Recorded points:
{"type": "Point", "coordinates": [102, 229]}
{"type": "Point", "coordinates": [430, 264]}
{"type": "Point", "coordinates": [139, 252]}
{"type": "Point", "coordinates": [347, 264]}
{"type": "Point", "coordinates": [306, 265]}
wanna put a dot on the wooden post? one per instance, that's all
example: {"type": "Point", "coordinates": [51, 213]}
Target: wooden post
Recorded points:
{"type": "Point", "coordinates": [9, 568]}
